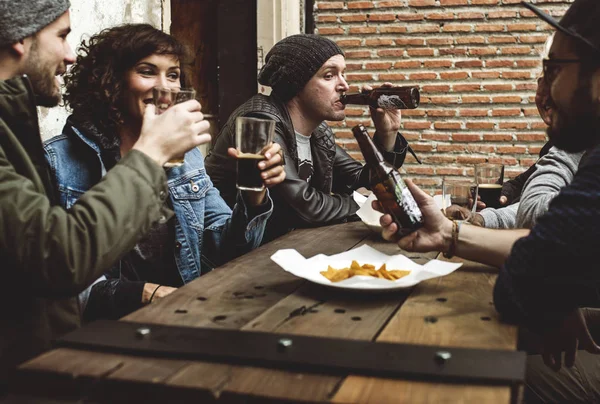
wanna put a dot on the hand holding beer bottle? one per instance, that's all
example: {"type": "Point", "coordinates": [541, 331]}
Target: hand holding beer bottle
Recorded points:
{"type": "Point", "coordinates": [259, 160]}
{"type": "Point", "coordinates": [384, 104]}
{"type": "Point", "coordinates": [393, 196]}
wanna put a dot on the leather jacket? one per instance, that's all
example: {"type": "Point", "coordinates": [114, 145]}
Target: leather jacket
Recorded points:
{"type": "Point", "coordinates": [327, 199]}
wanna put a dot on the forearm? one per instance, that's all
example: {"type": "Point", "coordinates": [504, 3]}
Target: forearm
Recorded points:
{"type": "Point", "coordinates": [487, 246]}
{"type": "Point", "coordinates": [385, 141]}
{"type": "Point", "coordinates": [58, 252]}
{"type": "Point", "coordinates": [554, 171]}
{"type": "Point", "coordinates": [393, 147]}
{"type": "Point", "coordinates": [502, 218]}
{"type": "Point", "coordinates": [512, 188]}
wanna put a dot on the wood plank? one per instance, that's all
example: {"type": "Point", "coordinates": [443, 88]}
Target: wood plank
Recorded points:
{"type": "Point", "coordinates": [239, 291]}
{"type": "Point", "coordinates": [318, 311]}
{"type": "Point", "coordinates": [462, 305]}
{"type": "Point", "coordinates": [241, 383]}
{"type": "Point", "coordinates": [464, 316]}
{"type": "Point", "coordinates": [382, 391]}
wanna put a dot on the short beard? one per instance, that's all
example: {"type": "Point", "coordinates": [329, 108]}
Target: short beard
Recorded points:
{"type": "Point", "coordinates": [581, 130]}
{"type": "Point", "coordinates": [41, 76]}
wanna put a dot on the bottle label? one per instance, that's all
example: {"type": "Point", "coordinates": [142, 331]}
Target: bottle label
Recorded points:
{"type": "Point", "coordinates": [410, 205]}
{"type": "Point", "coordinates": [405, 200]}
{"type": "Point", "coordinates": [391, 102]}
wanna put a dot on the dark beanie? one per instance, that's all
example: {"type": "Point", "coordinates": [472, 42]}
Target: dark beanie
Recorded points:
{"type": "Point", "coordinates": [22, 18]}
{"type": "Point", "coordinates": [292, 62]}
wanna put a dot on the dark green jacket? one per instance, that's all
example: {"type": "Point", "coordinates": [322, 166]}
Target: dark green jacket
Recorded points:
{"type": "Point", "coordinates": [47, 254]}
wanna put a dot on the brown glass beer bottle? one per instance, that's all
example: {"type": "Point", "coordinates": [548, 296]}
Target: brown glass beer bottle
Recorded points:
{"type": "Point", "coordinates": [389, 187]}
{"type": "Point", "coordinates": [385, 97]}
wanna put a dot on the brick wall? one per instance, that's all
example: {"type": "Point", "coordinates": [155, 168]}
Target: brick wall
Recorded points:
{"type": "Point", "coordinates": [476, 62]}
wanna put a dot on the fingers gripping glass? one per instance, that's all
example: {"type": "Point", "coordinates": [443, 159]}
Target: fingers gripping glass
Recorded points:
{"type": "Point", "coordinates": [551, 67]}
{"type": "Point", "coordinates": [253, 137]}
{"type": "Point", "coordinates": [165, 97]}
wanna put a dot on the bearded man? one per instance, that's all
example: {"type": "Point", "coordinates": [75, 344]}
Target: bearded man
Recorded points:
{"type": "Point", "coordinates": [48, 254]}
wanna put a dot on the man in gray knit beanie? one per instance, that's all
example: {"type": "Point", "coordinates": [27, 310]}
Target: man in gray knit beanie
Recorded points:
{"type": "Point", "coordinates": [33, 42]}
{"type": "Point", "coordinates": [22, 18]}
{"type": "Point", "coordinates": [293, 61]}
{"type": "Point", "coordinates": [306, 73]}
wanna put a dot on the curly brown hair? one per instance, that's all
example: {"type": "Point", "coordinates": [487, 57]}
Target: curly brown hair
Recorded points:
{"type": "Point", "coordinates": [95, 84]}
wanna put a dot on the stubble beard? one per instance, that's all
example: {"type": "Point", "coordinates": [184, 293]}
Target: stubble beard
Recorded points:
{"type": "Point", "coordinates": [42, 77]}
{"type": "Point", "coordinates": [578, 130]}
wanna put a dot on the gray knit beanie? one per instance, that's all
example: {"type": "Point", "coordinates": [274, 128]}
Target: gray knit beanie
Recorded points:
{"type": "Point", "coordinates": [292, 62]}
{"type": "Point", "coordinates": [22, 18]}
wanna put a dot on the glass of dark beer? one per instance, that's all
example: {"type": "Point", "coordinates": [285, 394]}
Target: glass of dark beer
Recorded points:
{"type": "Point", "coordinates": [489, 178]}
{"type": "Point", "coordinates": [164, 97]}
{"type": "Point", "coordinates": [253, 137]}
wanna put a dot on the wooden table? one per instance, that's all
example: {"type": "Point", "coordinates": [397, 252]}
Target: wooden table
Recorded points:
{"type": "Point", "coordinates": [252, 293]}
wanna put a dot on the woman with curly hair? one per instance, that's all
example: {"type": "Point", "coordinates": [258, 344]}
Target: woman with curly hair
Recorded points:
{"type": "Point", "coordinates": [107, 90]}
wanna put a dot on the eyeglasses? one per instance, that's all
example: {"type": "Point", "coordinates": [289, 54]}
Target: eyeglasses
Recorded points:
{"type": "Point", "coordinates": [551, 67]}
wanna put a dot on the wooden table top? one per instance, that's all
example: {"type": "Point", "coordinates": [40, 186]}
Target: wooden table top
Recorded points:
{"type": "Point", "coordinates": [252, 293]}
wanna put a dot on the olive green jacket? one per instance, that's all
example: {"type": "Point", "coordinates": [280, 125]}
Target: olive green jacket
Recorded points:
{"type": "Point", "coordinates": [47, 254]}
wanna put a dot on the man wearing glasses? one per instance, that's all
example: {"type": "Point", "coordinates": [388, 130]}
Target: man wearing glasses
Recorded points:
{"type": "Point", "coordinates": [549, 277]}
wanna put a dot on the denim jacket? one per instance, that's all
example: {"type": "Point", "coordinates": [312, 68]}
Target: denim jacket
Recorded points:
{"type": "Point", "coordinates": [207, 232]}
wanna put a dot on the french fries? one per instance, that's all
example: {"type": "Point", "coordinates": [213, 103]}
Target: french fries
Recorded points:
{"type": "Point", "coordinates": [336, 275]}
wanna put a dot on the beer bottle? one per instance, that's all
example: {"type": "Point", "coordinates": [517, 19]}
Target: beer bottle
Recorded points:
{"type": "Point", "coordinates": [389, 187]}
{"type": "Point", "coordinates": [385, 97]}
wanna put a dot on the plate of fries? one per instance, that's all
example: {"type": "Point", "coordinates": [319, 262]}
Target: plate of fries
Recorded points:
{"type": "Point", "coordinates": [363, 268]}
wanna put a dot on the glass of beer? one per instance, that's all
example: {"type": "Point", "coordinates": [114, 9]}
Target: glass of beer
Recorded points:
{"type": "Point", "coordinates": [253, 137]}
{"type": "Point", "coordinates": [489, 178]}
{"type": "Point", "coordinates": [164, 97]}
{"type": "Point", "coordinates": [457, 192]}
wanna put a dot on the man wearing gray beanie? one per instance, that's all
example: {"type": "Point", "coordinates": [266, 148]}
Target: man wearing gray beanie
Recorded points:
{"type": "Point", "coordinates": [48, 254]}
{"type": "Point", "coordinates": [306, 74]}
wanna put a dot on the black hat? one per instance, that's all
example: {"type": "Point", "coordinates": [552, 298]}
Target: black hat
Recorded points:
{"type": "Point", "coordinates": [581, 22]}
{"type": "Point", "coordinates": [292, 62]}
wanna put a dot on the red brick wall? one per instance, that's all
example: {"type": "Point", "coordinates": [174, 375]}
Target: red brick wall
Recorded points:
{"type": "Point", "coordinates": [476, 62]}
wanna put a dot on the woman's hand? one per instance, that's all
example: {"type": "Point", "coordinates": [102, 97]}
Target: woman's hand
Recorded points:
{"type": "Point", "coordinates": [153, 291]}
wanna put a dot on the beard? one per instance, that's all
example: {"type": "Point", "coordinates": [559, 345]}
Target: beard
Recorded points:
{"type": "Point", "coordinates": [579, 129]}
{"type": "Point", "coordinates": [42, 74]}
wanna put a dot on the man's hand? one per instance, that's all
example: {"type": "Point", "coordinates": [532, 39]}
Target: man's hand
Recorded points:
{"type": "Point", "coordinates": [461, 213]}
{"type": "Point", "coordinates": [386, 121]}
{"type": "Point", "coordinates": [272, 172]}
{"type": "Point", "coordinates": [172, 133]}
{"type": "Point", "coordinates": [572, 334]}
{"type": "Point", "coordinates": [434, 236]}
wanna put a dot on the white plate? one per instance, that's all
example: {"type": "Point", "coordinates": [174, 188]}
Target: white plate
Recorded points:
{"type": "Point", "coordinates": [293, 262]}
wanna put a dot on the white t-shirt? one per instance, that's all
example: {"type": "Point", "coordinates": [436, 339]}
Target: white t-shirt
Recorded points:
{"type": "Point", "coordinates": [305, 167]}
